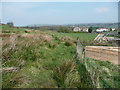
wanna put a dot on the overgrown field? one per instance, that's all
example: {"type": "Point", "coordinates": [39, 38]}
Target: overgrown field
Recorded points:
{"type": "Point", "coordinates": [48, 60]}
{"type": "Point", "coordinates": [37, 56]}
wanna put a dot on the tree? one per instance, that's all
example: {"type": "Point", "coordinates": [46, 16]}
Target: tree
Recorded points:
{"type": "Point", "coordinates": [10, 24]}
{"type": "Point", "coordinates": [90, 29]}
{"type": "Point", "coordinates": [110, 29]}
{"type": "Point", "coordinates": [63, 29]}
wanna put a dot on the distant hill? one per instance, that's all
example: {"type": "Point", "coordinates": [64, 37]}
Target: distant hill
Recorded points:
{"type": "Point", "coordinates": [53, 27]}
{"type": "Point", "coordinates": [105, 25]}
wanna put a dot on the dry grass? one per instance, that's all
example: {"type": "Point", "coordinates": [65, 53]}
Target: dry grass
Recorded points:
{"type": "Point", "coordinates": [44, 37]}
{"type": "Point", "coordinates": [23, 42]}
{"type": "Point", "coordinates": [42, 66]}
{"type": "Point", "coordinates": [68, 41]}
{"type": "Point", "coordinates": [66, 75]}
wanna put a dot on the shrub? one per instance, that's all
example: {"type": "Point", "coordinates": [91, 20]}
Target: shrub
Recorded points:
{"type": "Point", "coordinates": [64, 29]}
{"type": "Point", "coordinates": [90, 29]}
{"type": "Point", "coordinates": [52, 45]}
{"type": "Point", "coordinates": [69, 43]}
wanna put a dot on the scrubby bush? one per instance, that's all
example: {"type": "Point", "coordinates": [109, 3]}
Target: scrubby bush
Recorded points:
{"type": "Point", "coordinates": [64, 29]}
{"type": "Point", "coordinates": [69, 43]}
{"type": "Point", "coordinates": [52, 45]}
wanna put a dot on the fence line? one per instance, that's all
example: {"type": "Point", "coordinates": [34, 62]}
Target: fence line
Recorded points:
{"type": "Point", "coordinates": [90, 75]}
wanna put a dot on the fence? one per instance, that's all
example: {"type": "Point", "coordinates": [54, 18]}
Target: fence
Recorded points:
{"type": "Point", "coordinates": [96, 74]}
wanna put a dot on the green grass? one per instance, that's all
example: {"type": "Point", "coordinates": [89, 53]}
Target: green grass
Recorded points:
{"type": "Point", "coordinates": [111, 32]}
{"type": "Point", "coordinates": [82, 36]}
{"type": "Point", "coordinates": [107, 72]}
{"type": "Point", "coordinates": [8, 29]}
{"type": "Point", "coordinates": [50, 63]}
{"type": "Point", "coordinates": [37, 58]}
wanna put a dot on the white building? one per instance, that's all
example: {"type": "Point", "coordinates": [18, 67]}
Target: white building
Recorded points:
{"type": "Point", "coordinates": [113, 29]}
{"type": "Point", "coordinates": [85, 29]}
{"type": "Point", "coordinates": [77, 29]}
{"type": "Point", "coordinates": [102, 29]}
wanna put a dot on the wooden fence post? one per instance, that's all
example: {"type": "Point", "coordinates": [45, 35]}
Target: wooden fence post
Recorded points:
{"type": "Point", "coordinates": [79, 49]}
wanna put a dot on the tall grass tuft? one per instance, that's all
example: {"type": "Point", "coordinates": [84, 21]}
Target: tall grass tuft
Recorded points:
{"type": "Point", "coordinates": [71, 74]}
{"type": "Point", "coordinates": [66, 75]}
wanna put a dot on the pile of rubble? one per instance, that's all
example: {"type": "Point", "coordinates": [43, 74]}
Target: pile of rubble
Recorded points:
{"type": "Point", "coordinates": [103, 38]}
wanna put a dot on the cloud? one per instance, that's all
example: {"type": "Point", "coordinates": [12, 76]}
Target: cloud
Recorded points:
{"type": "Point", "coordinates": [102, 10]}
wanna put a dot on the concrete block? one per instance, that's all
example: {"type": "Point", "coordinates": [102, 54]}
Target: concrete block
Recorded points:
{"type": "Point", "coordinates": [103, 53]}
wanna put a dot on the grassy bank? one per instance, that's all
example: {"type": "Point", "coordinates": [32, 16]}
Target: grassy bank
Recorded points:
{"type": "Point", "coordinates": [36, 57]}
{"type": "Point", "coordinates": [47, 60]}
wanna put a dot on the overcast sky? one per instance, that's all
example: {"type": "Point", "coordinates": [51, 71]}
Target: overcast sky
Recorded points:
{"type": "Point", "coordinates": [26, 13]}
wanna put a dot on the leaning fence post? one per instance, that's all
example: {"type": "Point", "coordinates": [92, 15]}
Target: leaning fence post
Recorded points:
{"type": "Point", "coordinates": [79, 49]}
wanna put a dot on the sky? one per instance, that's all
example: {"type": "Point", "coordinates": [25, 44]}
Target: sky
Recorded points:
{"type": "Point", "coordinates": [58, 13]}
